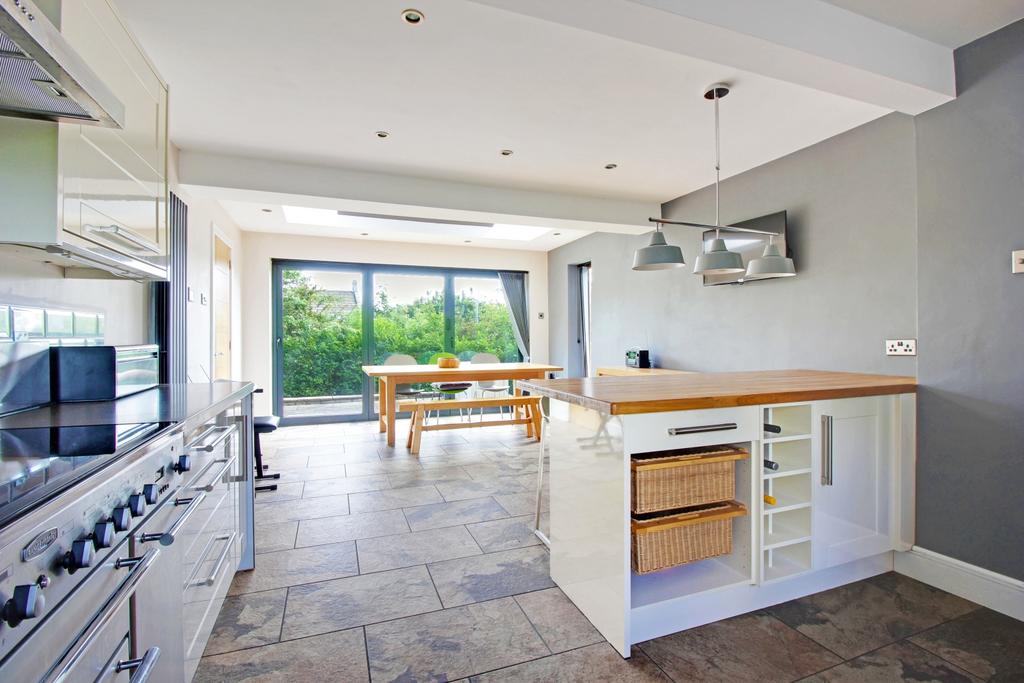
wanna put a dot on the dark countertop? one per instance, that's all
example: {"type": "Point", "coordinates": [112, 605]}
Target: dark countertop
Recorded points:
{"type": "Point", "coordinates": [174, 403]}
{"type": "Point", "coordinates": [661, 393]}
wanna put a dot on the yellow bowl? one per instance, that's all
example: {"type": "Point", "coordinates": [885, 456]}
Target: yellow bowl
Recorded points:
{"type": "Point", "coordinates": [447, 362]}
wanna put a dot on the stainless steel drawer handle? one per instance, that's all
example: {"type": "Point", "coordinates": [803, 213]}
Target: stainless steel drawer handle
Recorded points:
{"type": "Point", "coordinates": [126, 236]}
{"type": "Point", "coordinates": [225, 433]}
{"type": "Point", "coordinates": [65, 667]}
{"type": "Point", "coordinates": [212, 578]}
{"type": "Point", "coordinates": [167, 537]}
{"type": "Point", "coordinates": [700, 429]}
{"type": "Point", "coordinates": [228, 464]}
{"type": "Point", "coordinates": [826, 450]}
{"type": "Point", "coordinates": [143, 666]}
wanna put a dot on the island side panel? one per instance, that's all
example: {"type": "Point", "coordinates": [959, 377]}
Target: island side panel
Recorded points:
{"type": "Point", "coordinates": [590, 542]}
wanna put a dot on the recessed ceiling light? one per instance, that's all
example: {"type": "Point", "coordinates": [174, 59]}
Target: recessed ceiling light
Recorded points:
{"type": "Point", "coordinates": [364, 234]}
{"type": "Point", "coordinates": [467, 241]}
{"type": "Point", "coordinates": [611, 166]}
{"type": "Point", "coordinates": [556, 234]}
{"type": "Point", "coordinates": [506, 152]}
{"type": "Point", "coordinates": [382, 134]}
{"type": "Point", "coordinates": [267, 210]}
{"type": "Point", "coordinates": [412, 16]}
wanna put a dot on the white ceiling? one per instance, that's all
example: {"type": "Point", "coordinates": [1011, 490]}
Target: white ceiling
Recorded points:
{"type": "Point", "coordinates": [323, 221]}
{"type": "Point", "coordinates": [947, 22]}
{"type": "Point", "coordinates": [311, 82]}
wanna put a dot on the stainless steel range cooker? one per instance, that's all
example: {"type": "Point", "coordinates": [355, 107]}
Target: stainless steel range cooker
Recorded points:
{"type": "Point", "coordinates": [115, 544]}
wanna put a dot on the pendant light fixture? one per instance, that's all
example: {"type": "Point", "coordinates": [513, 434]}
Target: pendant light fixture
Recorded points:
{"type": "Point", "coordinates": [771, 264]}
{"type": "Point", "coordinates": [658, 255]}
{"type": "Point", "coordinates": [718, 260]}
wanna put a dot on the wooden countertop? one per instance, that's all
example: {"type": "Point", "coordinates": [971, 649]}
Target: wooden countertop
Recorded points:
{"type": "Point", "coordinates": [625, 371]}
{"type": "Point", "coordinates": [661, 393]}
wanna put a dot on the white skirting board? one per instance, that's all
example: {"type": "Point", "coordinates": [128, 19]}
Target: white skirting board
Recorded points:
{"type": "Point", "coordinates": [995, 591]}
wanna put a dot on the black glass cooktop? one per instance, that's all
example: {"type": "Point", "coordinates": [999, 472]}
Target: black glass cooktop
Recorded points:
{"type": "Point", "coordinates": [38, 463]}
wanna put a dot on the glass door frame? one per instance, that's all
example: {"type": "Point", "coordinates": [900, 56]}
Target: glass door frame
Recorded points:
{"type": "Point", "coordinates": [366, 271]}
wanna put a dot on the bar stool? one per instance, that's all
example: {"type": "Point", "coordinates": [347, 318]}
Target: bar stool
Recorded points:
{"type": "Point", "coordinates": [264, 425]}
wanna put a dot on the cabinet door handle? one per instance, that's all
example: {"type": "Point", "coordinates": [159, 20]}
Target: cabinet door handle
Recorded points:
{"type": "Point", "coordinates": [826, 450]}
{"type": "Point", "coordinates": [212, 578]}
{"type": "Point", "coordinates": [143, 666]}
{"type": "Point", "coordinates": [167, 537]}
{"type": "Point", "coordinates": [228, 464]}
{"type": "Point", "coordinates": [116, 231]}
{"type": "Point", "coordinates": [699, 429]}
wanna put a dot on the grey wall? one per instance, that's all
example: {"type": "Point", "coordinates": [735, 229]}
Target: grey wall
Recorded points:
{"type": "Point", "coordinates": [970, 160]}
{"type": "Point", "coordinates": [852, 227]}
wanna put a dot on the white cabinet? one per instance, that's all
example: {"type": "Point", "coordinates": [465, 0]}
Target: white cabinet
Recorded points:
{"type": "Point", "coordinates": [852, 479]}
{"type": "Point", "coordinates": [115, 180]}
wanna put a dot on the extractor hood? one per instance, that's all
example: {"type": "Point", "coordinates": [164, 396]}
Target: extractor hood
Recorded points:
{"type": "Point", "coordinates": [42, 77]}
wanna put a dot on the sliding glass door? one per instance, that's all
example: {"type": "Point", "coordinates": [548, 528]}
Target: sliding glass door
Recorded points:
{"type": "Point", "coordinates": [320, 343]}
{"type": "Point", "coordinates": [330, 319]}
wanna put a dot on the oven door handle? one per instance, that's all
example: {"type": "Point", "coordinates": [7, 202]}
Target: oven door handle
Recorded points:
{"type": "Point", "coordinates": [138, 567]}
{"type": "Point", "coordinates": [212, 578]}
{"type": "Point", "coordinates": [225, 432]}
{"type": "Point", "coordinates": [143, 666]}
{"type": "Point", "coordinates": [208, 488]}
{"type": "Point", "coordinates": [167, 537]}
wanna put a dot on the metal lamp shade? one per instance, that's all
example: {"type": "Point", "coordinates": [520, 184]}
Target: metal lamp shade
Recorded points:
{"type": "Point", "coordinates": [718, 260]}
{"type": "Point", "coordinates": [771, 264]}
{"type": "Point", "coordinates": [658, 255]}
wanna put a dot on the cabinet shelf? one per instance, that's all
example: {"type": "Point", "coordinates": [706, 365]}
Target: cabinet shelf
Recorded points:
{"type": "Point", "coordinates": [784, 567]}
{"type": "Point", "coordinates": [783, 535]}
{"type": "Point", "coordinates": [769, 437]}
{"type": "Point", "coordinates": [786, 503]}
{"type": "Point", "coordinates": [784, 471]}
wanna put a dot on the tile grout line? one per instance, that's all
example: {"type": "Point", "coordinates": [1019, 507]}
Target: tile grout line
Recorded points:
{"type": "Point", "coordinates": [366, 651]}
{"type": "Point", "coordinates": [532, 625]}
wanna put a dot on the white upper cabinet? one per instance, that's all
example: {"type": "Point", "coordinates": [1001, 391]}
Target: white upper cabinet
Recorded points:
{"type": "Point", "coordinates": [115, 180]}
{"type": "Point", "coordinates": [852, 479]}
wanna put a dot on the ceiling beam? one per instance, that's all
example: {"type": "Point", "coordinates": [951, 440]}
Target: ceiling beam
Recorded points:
{"type": "Point", "coordinates": [223, 177]}
{"type": "Point", "coordinates": [806, 42]}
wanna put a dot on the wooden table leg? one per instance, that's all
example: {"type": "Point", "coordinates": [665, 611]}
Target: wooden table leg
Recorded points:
{"type": "Point", "coordinates": [392, 408]}
{"type": "Point", "coordinates": [529, 425]}
{"type": "Point", "coordinates": [382, 404]}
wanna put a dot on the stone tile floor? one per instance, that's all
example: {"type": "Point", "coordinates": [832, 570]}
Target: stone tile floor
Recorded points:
{"type": "Point", "coordinates": [376, 565]}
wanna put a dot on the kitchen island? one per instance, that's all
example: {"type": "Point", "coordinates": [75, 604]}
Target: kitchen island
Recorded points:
{"type": "Point", "coordinates": [836, 501]}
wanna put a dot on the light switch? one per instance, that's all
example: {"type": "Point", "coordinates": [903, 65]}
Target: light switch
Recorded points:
{"type": "Point", "coordinates": [901, 347]}
{"type": "Point", "coordinates": [189, 294]}
{"type": "Point", "coordinates": [1017, 261]}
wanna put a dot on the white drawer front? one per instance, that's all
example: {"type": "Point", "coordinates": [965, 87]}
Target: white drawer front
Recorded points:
{"type": "Point", "coordinates": [689, 428]}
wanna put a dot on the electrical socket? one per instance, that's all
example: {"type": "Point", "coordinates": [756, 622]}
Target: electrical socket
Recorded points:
{"type": "Point", "coordinates": [1017, 261]}
{"type": "Point", "coordinates": [901, 347]}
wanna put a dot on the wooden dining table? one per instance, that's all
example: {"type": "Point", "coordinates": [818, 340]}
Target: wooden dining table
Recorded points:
{"type": "Point", "coordinates": [390, 376]}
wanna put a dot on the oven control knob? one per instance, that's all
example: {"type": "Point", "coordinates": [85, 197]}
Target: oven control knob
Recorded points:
{"type": "Point", "coordinates": [151, 493]}
{"type": "Point", "coordinates": [79, 557]}
{"type": "Point", "coordinates": [184, 464]}
{"type": "Point", "coordinates": [122, 518]}
{"type": "Point", "coordinates": [103, 534]}
{"type": "Point", "coordinates": [137, 504]}
{"type": "Point", "coordinates": [27, 603]}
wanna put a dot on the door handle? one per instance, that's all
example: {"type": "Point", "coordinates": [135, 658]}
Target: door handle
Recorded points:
{"type": "Point", "coordinates": [700, 429]}
{"type": "Point", "coordinates": [826, 450]}
{"type": "Point", "coordinates": [143, 666]}
{"type": "Point", "coordinates": [167, 537]}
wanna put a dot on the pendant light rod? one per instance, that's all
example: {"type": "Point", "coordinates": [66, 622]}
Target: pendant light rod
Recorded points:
{"type": "Point", "coordinates": [718, 162]}
{"type": "Point", "coordinates": [705, 226]}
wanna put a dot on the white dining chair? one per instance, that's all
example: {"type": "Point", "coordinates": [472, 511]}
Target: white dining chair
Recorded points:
{"type": "Point", "coordinates": [492, 387]}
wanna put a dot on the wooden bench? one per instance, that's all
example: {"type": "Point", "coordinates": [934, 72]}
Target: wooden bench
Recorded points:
{"type": "Point", "coordinates": [530, 405]}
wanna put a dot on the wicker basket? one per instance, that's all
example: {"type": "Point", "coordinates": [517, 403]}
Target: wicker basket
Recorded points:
{"type": "Point", "coordinates": [684, 479]}
{"type": "Point", "coordinates": [674, 539]}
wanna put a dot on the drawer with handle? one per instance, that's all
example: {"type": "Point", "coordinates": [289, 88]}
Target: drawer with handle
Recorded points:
{"type": "Point", "coordinates": [650, 432]}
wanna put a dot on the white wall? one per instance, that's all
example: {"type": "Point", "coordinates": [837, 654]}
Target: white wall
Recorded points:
{"type": "Point", "coordinates": [204, 217]}
{"type": "Point", "coordinates": [260, 248]}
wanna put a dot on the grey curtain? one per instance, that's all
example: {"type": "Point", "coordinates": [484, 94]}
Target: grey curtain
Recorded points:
{"type": "Point", "coordinates": [514, 285]}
